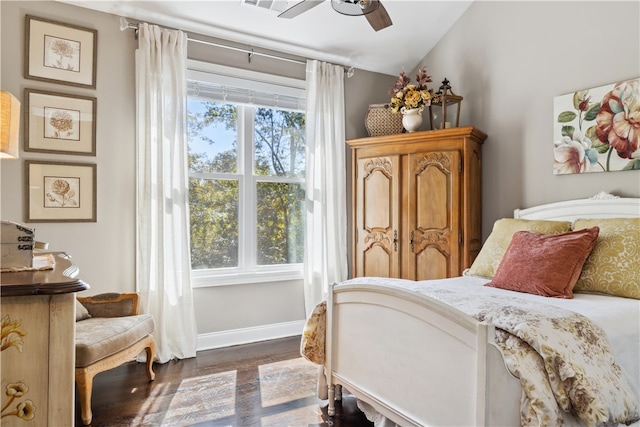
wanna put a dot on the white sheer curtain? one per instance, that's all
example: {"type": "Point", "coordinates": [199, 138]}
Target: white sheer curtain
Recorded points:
{"type": "Point", "coordinates": [326, 221]}
{"type": "Point", "coordinates": [163, 257]}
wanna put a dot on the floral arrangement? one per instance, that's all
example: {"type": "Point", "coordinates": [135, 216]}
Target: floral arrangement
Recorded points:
{"type": "Point", "coordinates": [407, 95]}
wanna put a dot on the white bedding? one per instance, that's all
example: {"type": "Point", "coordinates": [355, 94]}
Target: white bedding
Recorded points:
{"type": "Point", "coordinates": [618, 317]}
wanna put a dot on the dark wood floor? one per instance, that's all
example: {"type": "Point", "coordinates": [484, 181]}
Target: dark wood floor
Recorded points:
{"type": "Point", "coordinates": [261, 384]}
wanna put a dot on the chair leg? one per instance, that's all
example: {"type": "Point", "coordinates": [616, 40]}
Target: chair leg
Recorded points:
{"type": "Point", "coordinates": [84, 376]}
{"type": "Point", "coordinates": [151, 352]}
{"type": "Point", "coordinates": [85, 387]}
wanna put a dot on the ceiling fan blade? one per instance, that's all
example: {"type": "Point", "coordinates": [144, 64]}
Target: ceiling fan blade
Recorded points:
{"type": "Point", "coordinates": [379, 18]}
{"type": "Point", "coordinates": [299, 8]}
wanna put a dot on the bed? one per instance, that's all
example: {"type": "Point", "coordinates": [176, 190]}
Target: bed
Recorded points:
{"type": "Point", "coordinates": [418, 354]}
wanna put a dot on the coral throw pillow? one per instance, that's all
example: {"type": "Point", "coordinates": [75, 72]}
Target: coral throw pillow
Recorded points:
{"type": "Point", "coordinates": [544, 264]}
{"type": "Point", "coordinates": [486, 264]}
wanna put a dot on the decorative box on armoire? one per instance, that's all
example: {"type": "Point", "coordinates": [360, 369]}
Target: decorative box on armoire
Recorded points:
{"type": "Point", "coordinates": [417, 203]}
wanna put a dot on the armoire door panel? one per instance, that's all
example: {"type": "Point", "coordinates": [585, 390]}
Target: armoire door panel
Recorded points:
{"type": "Point", "coordinates": [377, 189]}
{"type": "Point", "coordinates": [433, 216]}
{"type": "Point", "coordinates": [432, 264]}
{"type": "Point", "coordinates": [432, 184]}
{"type": "Point", "coordinates": [377, 262]}
{"type": "Point", "coordinates": [377, 217]}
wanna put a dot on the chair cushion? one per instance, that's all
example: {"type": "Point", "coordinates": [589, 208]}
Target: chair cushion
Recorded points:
{"type": "Point", "coordinates": [99, 337]}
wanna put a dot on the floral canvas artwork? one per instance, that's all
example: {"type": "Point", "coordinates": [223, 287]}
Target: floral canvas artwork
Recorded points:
{"type": "Point", "coordinates": [62, 124]}
{"type": "Point", "coordinates": [598, 129]}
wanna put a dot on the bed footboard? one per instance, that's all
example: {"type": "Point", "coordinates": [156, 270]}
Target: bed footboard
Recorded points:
{"type": "Point", "coordinates": [417, 361]}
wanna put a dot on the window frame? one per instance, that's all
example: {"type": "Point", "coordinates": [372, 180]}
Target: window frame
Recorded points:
{"type": "Point", "coordinates": [247, 271]}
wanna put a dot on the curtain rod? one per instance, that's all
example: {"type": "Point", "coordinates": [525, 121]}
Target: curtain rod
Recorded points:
{"type": "Point", "coordinates": [126, 25]}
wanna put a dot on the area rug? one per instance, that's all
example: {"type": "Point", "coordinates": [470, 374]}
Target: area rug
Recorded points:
{"type": "Point", "coordinates": [284, 389]}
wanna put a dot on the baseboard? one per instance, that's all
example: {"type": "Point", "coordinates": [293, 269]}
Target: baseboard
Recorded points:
{"type": "Point", "coordinates": [221, 339]}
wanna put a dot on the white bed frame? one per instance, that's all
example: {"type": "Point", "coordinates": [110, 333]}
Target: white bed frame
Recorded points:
{"type": "Point", "coordinates": [390, 361]}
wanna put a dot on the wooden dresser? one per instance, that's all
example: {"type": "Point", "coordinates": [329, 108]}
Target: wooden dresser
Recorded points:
{"type": "Point", "coordinates": [38, 345]}
{"type": "Point", "coordinates": [417, 203]}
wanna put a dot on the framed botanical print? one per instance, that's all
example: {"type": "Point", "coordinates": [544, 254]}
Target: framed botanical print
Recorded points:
{"type": "Point", "coordinates": [60, 53]}
{"type": "Point", "coordinates": [60, 191]}
{"type": "Point", "coordinates": [59, 123]}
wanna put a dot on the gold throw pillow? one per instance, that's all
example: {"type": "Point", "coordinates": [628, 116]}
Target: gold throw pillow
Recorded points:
{"type": "Point", "coordinates": [613, 267]}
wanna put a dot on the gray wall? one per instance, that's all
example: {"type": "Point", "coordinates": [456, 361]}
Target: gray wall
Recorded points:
{"type": "Point", "coordinates": [105, 250]}
{"type": "Point", "coordinates": [509, 60]}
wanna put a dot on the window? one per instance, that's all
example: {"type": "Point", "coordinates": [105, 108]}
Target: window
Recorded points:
{"type": "Point", "coordinates": [246, 140]}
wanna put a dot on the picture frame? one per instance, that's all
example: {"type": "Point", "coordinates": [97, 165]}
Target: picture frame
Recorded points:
{"type": "Point", "coordinates": [60, 191]}
{"type": "Point", "coordinates": [59, 123]}
{"type": "Point", "coordinates": [60, 53]}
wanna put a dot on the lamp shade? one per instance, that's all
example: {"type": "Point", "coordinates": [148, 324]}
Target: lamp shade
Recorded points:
{"type": "Point", "coordinates": [9, 125]}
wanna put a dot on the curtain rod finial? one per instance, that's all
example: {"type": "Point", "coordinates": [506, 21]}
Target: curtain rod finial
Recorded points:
{"type": "Point", "coordinates": [350, 72]}
{"type": "Point", "coordinates": [124, 24]}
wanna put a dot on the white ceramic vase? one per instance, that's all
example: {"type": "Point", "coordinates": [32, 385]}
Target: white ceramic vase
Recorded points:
{"type": "Point", "coordinates": [411, 119]}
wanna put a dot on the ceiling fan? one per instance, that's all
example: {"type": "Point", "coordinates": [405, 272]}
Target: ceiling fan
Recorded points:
{"type": "Point", "coordinates": [373, 10]}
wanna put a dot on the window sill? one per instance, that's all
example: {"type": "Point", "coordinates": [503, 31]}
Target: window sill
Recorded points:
{"type": "Point", "coordinates": [204, 280]}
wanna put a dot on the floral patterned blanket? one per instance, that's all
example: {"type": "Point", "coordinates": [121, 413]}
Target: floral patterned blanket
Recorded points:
{"type": "Point", "coordinates": [563, 360]}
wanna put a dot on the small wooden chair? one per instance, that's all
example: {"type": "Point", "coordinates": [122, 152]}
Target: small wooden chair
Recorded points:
{"type": "Point", "coordinates": [109, 332]}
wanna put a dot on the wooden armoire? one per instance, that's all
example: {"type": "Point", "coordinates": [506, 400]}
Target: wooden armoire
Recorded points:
{"type": "Point", "coordinates": [417, 203]}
